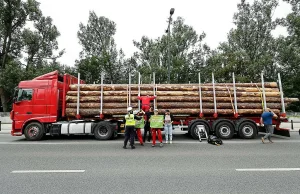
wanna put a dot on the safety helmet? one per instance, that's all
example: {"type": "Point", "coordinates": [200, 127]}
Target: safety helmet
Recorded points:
{"type": "Point", "coordinates": [129, 109]}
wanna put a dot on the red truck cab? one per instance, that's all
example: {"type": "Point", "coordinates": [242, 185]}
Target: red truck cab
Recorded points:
{"type": "Point", "coordinates": [39, 101]}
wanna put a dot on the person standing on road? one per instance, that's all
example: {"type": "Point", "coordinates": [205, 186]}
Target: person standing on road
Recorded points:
{"type": "Point", "coordinates": [156, 129]}
{"type": "Point", "coordinates": [146, 102]}
{"type": "Point", "coordinates": [266, 119]}
{"type": "Point", "coordinates": [129, 121]}
{"type": "Point", "coordinates": [168, 120]}
{"type": "Point", "coordinates": [147, 128]}
{"type": "Point", "coordinates": [138, 125]}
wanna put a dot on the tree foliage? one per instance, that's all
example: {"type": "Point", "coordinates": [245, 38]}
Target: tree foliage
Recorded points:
{"type": "Point", "coordinates": [250, 48]}
{"type": "Point", "coordinates": [18, 43]}
{"type": "Point", "coordinates": [99, 53]}
{"type": "Point", "coordinates": [187, 53]}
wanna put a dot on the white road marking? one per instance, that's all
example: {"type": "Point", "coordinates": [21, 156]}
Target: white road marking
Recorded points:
{"type": "Point", "coordinates": [267, 169]}
{"type": "Point", "coordinates": [47, 171]}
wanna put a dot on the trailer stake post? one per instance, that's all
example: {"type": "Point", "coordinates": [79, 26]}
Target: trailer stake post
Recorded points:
{"type": "Point", "coordinates": [236, 115]}
{"type": "Point", "coordinates": [263, 88]}
{"type": "Point", "coordinates": [78, 96]}
{"type": "Point", "coordinates": [101, 100]}
{"type": "Point", "coordinates": [283, 114]}
{"type": "Point", "coordinates": [200, 98]}
{"type": "Point", "coordinates": [214, 91]}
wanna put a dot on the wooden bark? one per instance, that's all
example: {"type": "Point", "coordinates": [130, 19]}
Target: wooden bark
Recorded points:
{"type": "Point", "coordinates": [71, 112]}
{"type": "Point", "coordinates": [174, 99]}
{"type": "Point", "coordinates": [247, 87]}
{"type": "Point", "coordinates": [170, 105]}
{"type": "Point", "coordinates": [174, 93]}
{"type": "Point", "coordinates": [105, 105]}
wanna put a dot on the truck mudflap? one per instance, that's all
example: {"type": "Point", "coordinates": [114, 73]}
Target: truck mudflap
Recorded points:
{"type": "Point", "coordinates": [277, 131]}
{"type": "Point", "coordinates": [282, 132]}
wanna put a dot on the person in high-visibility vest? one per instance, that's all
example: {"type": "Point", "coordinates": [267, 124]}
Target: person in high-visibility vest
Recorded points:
{"type": "Point", "coordinates": [158, 130]}
{"type": "Point", "coordinates": [129, 121]}
{"type": "Point", "coordinates": [138, 125]}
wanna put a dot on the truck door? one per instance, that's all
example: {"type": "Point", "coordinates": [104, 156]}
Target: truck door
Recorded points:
{"type": "Point", "coordinates": [23, 105]}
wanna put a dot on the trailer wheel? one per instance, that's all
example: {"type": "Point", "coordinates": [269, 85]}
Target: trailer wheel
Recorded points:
{"type": "Point", "coordinates": [224, 129]}
{"type": "Point", "coordinates": [247, 130]}
{"type": "Point", "coordinates": [103, 131]}
{"type": "Point", "coordinates": [194, 130]}
{"type": "Point", "coordinates": [34, 131]}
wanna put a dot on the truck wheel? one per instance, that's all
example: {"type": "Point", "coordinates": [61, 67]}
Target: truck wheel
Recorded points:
{"type": "Point", "coordinates": [34, 131]}
{"type": "Point", "coordinates": [103, 131]}
{"type": "Point", "coordinates": [247, 130]}
{"type": "Point", "coordinates": [194, 130]}
{"type": "Point", "coordinates": [224, 130]}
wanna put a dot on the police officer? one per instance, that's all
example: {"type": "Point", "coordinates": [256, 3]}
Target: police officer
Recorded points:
{"type": "Point", "coordinates": [130, 127]}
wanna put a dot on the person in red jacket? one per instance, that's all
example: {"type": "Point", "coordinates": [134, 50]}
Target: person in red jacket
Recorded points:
{"type": "Point", "coordinates": [146, 102]}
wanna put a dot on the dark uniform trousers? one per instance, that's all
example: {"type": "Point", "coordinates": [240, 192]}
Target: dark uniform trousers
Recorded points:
{"type": "Point", "coordinates": [129, 134]}
{"type": "Point", "coordinates": [147, 130]}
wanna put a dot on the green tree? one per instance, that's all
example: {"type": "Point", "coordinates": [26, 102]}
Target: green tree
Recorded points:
{"type": "Point", "coordinates": [250, 48]}
{"type": "Point", "coordinates": [186, 49]}
{"type": "Point", "coordinates": [13, 17]}
{"type": "Point", "coordinates": [17, 44]}
{"type": "Point", "coordinates": [99, 49]}
{"type": "Point", "coordinates": [41, 43]}
{"type": "Point", "coordinates": [289, 54]}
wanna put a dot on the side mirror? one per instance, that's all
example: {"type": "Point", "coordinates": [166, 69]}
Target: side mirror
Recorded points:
{"type": "Point", "coordinates": [15, 100]}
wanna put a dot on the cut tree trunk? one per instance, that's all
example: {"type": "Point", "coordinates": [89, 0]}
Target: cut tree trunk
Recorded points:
{"type": "Point", "coordinates": [170, 105]}
{"type": "Point", "coordinates": [105, 105]}
{"type": "Point", "coordinates": [71, 112]}
{"type": "Point", "coordinates": [243, 87]}
{"type": "Point", "coordinates": [174, 93]}
{"type": "Point", "coordinates": [174, 99]}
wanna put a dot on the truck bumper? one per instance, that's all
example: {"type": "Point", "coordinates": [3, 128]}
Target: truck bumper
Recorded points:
{"type": "Point", "coordinates": [14, 131]}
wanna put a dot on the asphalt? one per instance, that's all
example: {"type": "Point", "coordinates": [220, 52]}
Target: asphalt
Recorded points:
{"type": "Point", "coordinates": [186, 166]}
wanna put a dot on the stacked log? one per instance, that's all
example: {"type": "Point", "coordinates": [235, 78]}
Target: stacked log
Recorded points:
{"type": "Point", "coordinates": [179, 99]}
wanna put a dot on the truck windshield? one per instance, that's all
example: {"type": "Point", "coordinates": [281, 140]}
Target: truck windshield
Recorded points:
{"type": "Point", "coordinates": [22, 94]}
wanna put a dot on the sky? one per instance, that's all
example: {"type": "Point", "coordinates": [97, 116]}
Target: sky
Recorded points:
{"type": "Point", "coordinates": [137, 18]}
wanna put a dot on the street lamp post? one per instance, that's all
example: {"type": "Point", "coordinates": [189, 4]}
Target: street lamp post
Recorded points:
{"type": "Point", "coordinates": [168, 31]}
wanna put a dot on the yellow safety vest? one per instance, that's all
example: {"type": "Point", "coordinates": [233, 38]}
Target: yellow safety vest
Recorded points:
{"type": "Point", "coordinates": [130, 120]}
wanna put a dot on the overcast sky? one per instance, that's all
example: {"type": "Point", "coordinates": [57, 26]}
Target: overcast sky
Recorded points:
{"type": "Point", "coordinates": [135, 18]}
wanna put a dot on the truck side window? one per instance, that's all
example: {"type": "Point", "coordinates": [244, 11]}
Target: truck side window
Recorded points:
{"type": "Point", "coordinates": [24, 94]}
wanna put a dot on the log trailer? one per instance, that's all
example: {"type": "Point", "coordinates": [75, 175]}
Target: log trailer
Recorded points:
{"type": "Point", "coordinates": [39, 109]}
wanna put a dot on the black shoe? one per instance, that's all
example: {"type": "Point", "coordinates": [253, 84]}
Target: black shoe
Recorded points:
{"type": "Point", "coordinates": [132, 147]}
{"type": "Point", "coordinates": [124, 147]}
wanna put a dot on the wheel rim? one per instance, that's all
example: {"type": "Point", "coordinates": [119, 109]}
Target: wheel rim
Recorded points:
{"type": "Point", "coordinates": [102, 132]}
{"type": "Point", "coordinates": [247, 130]}
{"type": "Point", "coordinates": [33, 131]}
{"type": "Point", "coordinates": [224, 130]}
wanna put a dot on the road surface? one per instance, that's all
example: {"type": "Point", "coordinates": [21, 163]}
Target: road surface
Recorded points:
{"type": "Point", "coordinates": [84, 165]}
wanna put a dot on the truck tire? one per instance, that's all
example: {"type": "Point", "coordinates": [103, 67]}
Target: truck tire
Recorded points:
{"type": "Point", "coordinates": [34, 131]}
{"type": "Point", "coordinates": [194, 130]}
{"type": "Point", "coordinates": [224, 129]}
{"type": "Point", "coordinates": [247, 129]}
{"type": "Point", "coordinates": [103, 131]}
